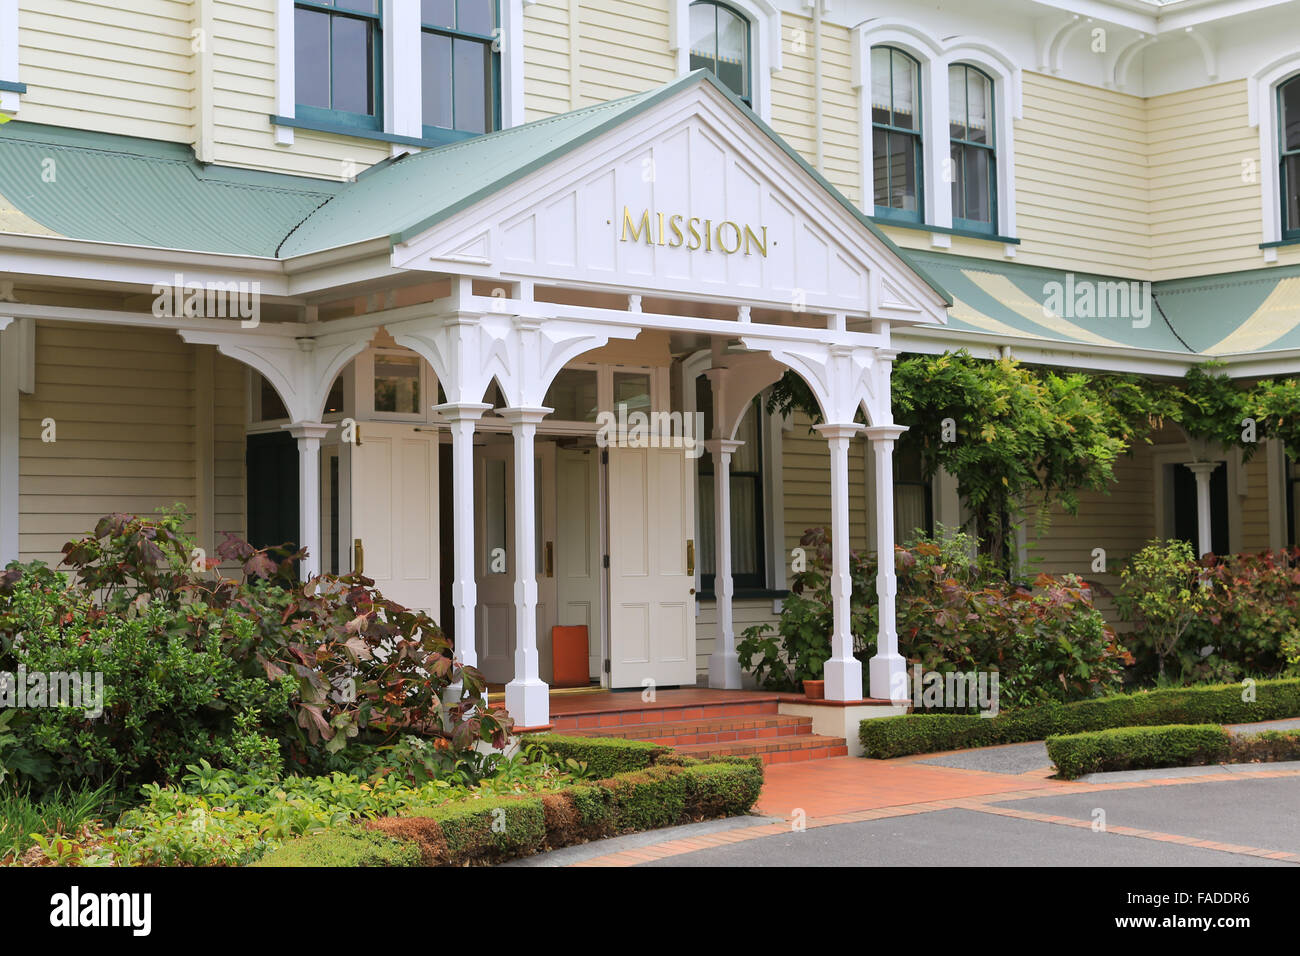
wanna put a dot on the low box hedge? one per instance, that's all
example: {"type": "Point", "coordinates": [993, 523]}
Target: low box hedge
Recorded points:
{"type": "Point", "coordinates": [501, 828]}
{"type": "Point", "coordinates": [884, 737]}
{"type": "Point", "coordinates": [604, 756]}
{"type": "Point", "coordinates": [1138, 748]}
{"type": "Point", "coordinates": [1266, 746]}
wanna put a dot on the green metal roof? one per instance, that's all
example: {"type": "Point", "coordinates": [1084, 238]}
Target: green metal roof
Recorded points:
{"type": "Point", "coordinates": [1242, 312]}
{"type": "Point", "coordinates": [107, 188]}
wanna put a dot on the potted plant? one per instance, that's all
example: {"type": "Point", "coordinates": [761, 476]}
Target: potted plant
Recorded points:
{"type": "Point", "coordinates": [814, 689]}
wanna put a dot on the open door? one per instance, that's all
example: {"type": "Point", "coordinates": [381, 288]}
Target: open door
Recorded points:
{"type": "Point", "coordinates": [651, 567]}
{"type": "Point", "coordinates": [394, 493]}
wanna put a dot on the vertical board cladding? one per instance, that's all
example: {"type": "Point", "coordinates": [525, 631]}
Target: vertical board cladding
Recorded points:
{"type": "Point", "coordinates": [110, 67]}
{"type": "Point", "coordinates": [548, 75]}
{"type": "Point", "coordinates": [1254, 504]}
{"type": "Point", "coordinates": [122, 404]}
{"type": "Point", "coordinates": [243, 100]}
{"type": "Point", "coordinates": [806, 474]}
{"type": "Point", "coordinates": [1204, 181]}
{"type": "Point", "coordinates": [745, 613]}
{"type": "Point", "coordinates": [622, 48]}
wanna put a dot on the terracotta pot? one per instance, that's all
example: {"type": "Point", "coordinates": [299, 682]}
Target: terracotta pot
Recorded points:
{"type": "Point", "coordinates": [814, 689]}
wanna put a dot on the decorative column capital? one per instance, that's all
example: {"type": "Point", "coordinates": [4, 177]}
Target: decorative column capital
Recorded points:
{"type": "Point", "coordinates": [301, 430]}
{"type": "Point", "coordinates": [525, 415]}
{"type": "Point", "coordinates": [832, 432]}
{"type": "Point", "coordinates": [1206, 468]}
{"type": "Point", "coordinates": [885, 433]}
{"type": "Point", "coordinates": [722, 446]}
{"type": "Point", "coordinates": [462, 411]}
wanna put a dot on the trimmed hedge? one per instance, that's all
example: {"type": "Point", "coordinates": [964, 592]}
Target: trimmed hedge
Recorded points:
{"type": "Point", "coordinates": [1266, 746]}
{"type": "Point", "coordinates": [1139, 748]}
{"type": "Point", "coordinates": [501, 828]}
{"type": "Point", "coordinates": [604, 756]}
{"type": "Point", "coordinates": [884, 737]}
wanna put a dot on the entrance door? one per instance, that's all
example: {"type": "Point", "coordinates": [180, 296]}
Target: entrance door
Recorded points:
{"type": "Point", "coordinates": [394, 493]}
{"type": "Point", "coordinates": [577, 548]}
{"type": "Point", "coordinates": [651, 577]}
{"type": "Point", "coordinates": [494, 481]}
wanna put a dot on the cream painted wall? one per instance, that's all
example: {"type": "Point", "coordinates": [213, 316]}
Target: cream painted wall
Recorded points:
{"type": "Point", "coordinates": [123, 401]}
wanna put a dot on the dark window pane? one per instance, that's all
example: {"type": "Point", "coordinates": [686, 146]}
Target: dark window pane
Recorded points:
{"type": "Point", "coordinates": [436, 80]}
{"type": "Point", "coordinates": [880, 171]}
{"type": "Point", "coordinates": [1291, 114]}
{"type": "Point", "coordinates": [976, 174]}
{"type": "Point", "coordinates": [474, 16]}
{"type": "Point", "coordinates": [311, 38]}
{"type": "Point", "coordinates": [438, 13]}
{"type": "Point", "coordinates": [1291, 172]}
{"type": "Point", "coordinates": [473, 79]}
{"type": "Point", "coordinates": [958, 190]}
{"type": "Point", "coordinates": [352, 67]}
{"type": "Point", "coordinates": [361, 6]}
{"type": "Point", "coordinates": [902, 171]}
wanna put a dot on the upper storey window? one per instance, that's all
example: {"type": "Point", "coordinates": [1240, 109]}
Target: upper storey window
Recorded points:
{"type": "Point", "coordinates": [338, 61]}
{"type": "Point", "coordinates": [1288, 103]}
{"type": "Point", "coordinates": [974, 162]}
{"type": "Point", "coordinates": [461, 68]}
{"type": "Point", "coordinates": [720, 44]}
{"type": "Point", "coordinates": [896, 133]}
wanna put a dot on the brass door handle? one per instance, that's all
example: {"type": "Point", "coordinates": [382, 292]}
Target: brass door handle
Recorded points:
{"type": "Point", "coordinates": [550, 559]}
{"type": "Point", "coordinates": [690, 556]}
{"type": "Point", "coordinates": [358, 556]}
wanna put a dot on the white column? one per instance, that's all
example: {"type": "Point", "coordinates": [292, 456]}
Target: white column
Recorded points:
{"type": "Point", "coordinates": [1203, 470]}
{"type": "Point", "coordinates": [843, 671]}
{"type": "Point", "coordinates": [724, 665]}
{"type": "Point", "coordinates": [464, 593]}
{"type": "Point", "coordinates": [887, 671]}
{"type": "Point", "coordinates": [10, 355]}
{"type": "Point", "coordinates": [527, 696]}
{"type": "Point", "coordinates": [309, 435]}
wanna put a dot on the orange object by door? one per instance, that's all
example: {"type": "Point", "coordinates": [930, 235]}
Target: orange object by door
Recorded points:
{"type": "Point", "coordinates": [569, 656]}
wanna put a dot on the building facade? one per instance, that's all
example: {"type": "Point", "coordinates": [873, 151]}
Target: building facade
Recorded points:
{"type": "Point", "coordinates": [381, 276]}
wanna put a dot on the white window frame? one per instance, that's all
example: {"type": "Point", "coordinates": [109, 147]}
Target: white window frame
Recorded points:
{"type": "Point", "coordinates": [9, 99]}
{"type": "Point", "coordinates": [764, 45]}
{"type": "Point", "coordinates": [1262, 106]}
{"type": "Point", "coordinates": [935, 57]}
{"type": "Point", "coordinates": [403, 115]}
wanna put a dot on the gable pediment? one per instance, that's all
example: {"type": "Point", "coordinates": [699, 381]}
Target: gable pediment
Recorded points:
{"type": "Point", "coordinates": [689, 198]}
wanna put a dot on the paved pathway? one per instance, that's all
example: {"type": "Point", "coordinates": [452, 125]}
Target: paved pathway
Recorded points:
{"type": "Point", "coordinates": [995, 804]}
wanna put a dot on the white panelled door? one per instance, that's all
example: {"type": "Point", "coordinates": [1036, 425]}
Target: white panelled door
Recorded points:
{"type": "Point", "coordinates": [577, 548]}
{"type": "Point", "coordinates": [394, 490]}
{"type": "Point", "coordinates": [651, 580]}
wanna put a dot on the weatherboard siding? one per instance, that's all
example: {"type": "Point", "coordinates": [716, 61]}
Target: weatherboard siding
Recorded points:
{"type": "Point", "coordinates": [109, 67]}
{"type": "Point", "coordinates": [123, 404]}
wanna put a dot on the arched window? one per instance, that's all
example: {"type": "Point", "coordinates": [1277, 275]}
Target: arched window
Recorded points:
{"type": "Point", "coordinates": [720, 44]}
{"type": "Point", "coordinates": [1288, 110]}
{"type": "Point", "coordinates": [896, 133]}
{"type": "Point", "coordinates": [974, 159]}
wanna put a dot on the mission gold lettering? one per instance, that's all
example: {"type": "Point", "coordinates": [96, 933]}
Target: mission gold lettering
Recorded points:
{"type": "Point", "coordinates": [664, 229]}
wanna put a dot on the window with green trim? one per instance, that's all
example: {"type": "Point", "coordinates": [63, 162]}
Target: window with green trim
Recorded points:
{"type": "Point", "coordinates": [896, 134]}
{"type": "Point", "coordinates": [973, 156]}
{"type": "Point", "coordinates": [460, 68]}
{"type": "Point", "coordinates": [720, 44]}
{"type": "Point", "coordinates": [1288, 108]}
{"type": "Point", "coordinates": [338, 62]}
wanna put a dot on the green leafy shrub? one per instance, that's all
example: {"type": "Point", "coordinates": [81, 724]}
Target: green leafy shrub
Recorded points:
{"type": "Point", "coordinates": [1138, 748]}
{"type": "Point", "coordinates": [346, 846]}
{"type": "Point", "coordinates": [310, 668]}
{"type": "Point", "coordinates": [1266, 746]}
{"type": "Point", "coordinates": [954, 613]}
{"type": "Point", "coordinates": [885, 737]}
{"type": "Point", "coordinates": [1220, 617]}
{"type": "Point", "coordinates": [602, 756]}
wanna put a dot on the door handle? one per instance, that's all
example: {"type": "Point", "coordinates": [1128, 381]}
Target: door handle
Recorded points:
{"type": "Point", "coordinates": [358, 556]}
{"type": "Point", "coordinates": [550, 559]}
{"type": "Point", "coordinates": [690, 556]}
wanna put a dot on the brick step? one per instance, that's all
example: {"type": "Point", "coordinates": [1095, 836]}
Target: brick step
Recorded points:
{"type": "Point", "coordinates": [717, 730]}
{"type": "Point", "coordinates": [579, 722]}
{"type": "Point", "coordinates": [787, 749]}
